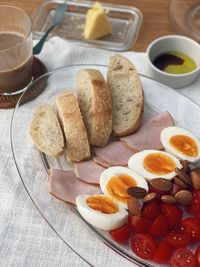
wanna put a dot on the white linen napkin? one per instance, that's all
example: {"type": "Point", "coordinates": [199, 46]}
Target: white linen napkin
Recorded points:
{"type": "Point", "coordinates": [25, 238]}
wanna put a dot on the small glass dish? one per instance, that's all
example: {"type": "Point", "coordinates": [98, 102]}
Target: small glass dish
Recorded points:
{"type": "Point", "coordinates": [95, 247]}
{"type": "Point", "coordinates": [125, 21]}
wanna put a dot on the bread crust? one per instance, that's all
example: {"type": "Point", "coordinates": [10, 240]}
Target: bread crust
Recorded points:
{"type": "Point", "coordinates": [46, 132]}
{"type": "Point", "coordinates": [70, 116]}
{"type": "Point", "coordinates": [98, 117]}
{"type": "Point", "coordinates": [121, 69]}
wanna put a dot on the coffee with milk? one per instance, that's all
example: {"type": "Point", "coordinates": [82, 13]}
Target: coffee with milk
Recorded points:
{"type": "Point", "coordinates": [15, 62]}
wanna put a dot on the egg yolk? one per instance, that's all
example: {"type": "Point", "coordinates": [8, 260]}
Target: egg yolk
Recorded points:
{"type": "Point", "coordinates": [102, 203]}
{"type": "Point", "coordinates": [184, 144]}
{"type": "Point", "coordinates": [118, 185]}
{"type": "Point", "coordinates": [159, 164]}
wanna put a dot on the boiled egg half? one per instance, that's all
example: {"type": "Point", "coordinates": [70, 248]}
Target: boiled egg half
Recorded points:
{"type": "Point", "coordinates": [115, 181]}
{"type": "Point", "coordinates": [154, 164]}
{"type": "Point", "coordinates": [181, 143]}
{"type": "Point", "coordinates": [101, 212]}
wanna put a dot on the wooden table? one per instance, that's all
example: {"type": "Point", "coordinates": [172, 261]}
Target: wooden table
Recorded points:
{"type": "Point", "coordinates": [155, 22]}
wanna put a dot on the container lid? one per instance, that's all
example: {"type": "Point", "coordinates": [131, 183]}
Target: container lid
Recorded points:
{"type": "Point", "coordinates": [125, 21]}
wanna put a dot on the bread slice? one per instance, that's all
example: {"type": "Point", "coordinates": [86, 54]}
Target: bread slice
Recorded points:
{"type": "Point", "coordinates": [69, 114]}
{"type": "Point", "coordinates": [95, 105]}
{"type": "Point", "coordinates": [127, 95]}
{"type": "Point", "coordinates": [46, 132]}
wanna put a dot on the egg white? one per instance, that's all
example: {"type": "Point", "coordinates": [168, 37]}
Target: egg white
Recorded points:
{"type": "Point", "coordinates": [103, 221]}
{"type": "Point", "coordinates": [135, 163]}
{"type": "Point", "coordinates": [117, 170]}
{"type": "Point", "coordinates": [168, 132]}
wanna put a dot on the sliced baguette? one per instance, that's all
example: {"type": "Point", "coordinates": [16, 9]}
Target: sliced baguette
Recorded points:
{"type": "Point", "coordinates": [46, 132]}
{"type": "Point", "coordinates": [127, 95]}
{"type": "Point", "coordinates": [95, 105]}
{"type": "Point", "coordinates": [69, 114]}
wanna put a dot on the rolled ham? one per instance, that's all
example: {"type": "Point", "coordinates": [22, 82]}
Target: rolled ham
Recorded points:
{"type": "Point", "coordinates": [65, 186]}
{"type": "Point", "coordinates": [148, 135]}
{"type": "Point", "coordinates": [88, 171]}
{"type": "Point", "coordinates": [114, 154]}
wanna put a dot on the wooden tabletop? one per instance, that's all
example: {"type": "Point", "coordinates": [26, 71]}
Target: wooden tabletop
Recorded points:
{"type": "Point", "coordinates": [155, 17]}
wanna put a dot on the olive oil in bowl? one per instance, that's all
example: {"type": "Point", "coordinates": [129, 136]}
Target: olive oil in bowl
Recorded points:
{"type": "Point", "coordinates": [175, 63]}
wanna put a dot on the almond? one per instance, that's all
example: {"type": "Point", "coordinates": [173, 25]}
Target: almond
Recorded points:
{"type": "Point", "coordinates": [168, 199]}
{"type": "Point", "coordinates": [136, 192]}
{"type": "Point", "coordinates": [184, 197]}
{"type": "Point", "coordinates": [180, 183]}
{"type": "Point", "coordinates": [195, 176]}
{"type": "Point", "coordinates": [185, 165]}
{"type": "Point", "coordinates": [134, 206]}
{"type": "Point", "coordinates": [161, 184]}
{"type": "Point", "coordinates": [150, 197]}
{"type": "Point", "coordinates": [183, 176]}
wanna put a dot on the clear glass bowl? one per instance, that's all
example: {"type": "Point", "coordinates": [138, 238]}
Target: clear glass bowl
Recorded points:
{"type": "Point", "coordinates": [93, 246]}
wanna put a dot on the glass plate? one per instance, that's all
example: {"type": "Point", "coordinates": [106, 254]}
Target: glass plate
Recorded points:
{"type": "Point", "coordinates": [94, 246]}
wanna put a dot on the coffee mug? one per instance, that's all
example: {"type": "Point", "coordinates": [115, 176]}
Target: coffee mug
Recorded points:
{"type": "Point", "coordinates": [15, 49]}
{"type": "Point", "coordinates": [179, 44]}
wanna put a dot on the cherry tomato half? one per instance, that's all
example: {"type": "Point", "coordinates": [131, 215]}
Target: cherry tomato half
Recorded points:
{"type": "Point", "coordinates": [182, 257]}
{"type": "Point", "coordinates": [151, 210]}
{"type": "Point", "coordinates": [191, 226]}
{"type": "Point", "coordinates": [143, 245]}
{"type": "Point", "coordinates": [197, 215]}
{"type": "Point", "coordinates": [138, 224]}
{"type": "Point", "coordinates": [197, 256]}
{"type": "Point", "coordinates": [194, 207]}
{"type": "Point", "coordinates": [122, 234]}
{"type": "Point", "coordinates": [159, 226]}
{"type": "Point", "coordinates": [172, 213]}
{"type": "Point", "coordinates": [178, 238]}
{"type": "Point", "coordinates": [163, 252]}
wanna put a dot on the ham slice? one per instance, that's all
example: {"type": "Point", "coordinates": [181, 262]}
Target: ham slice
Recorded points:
{"type": "Point", "coordinates": [88, 171]}
{"type": "Point", "coordinates": [65, 186]}
{"type": "Point", "coordinates": [148, 135]}
{"type": "Point", "coordinates": [114, 154]}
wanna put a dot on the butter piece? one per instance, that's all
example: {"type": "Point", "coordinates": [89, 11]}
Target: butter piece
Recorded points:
{"type": "Point", "coordinates": [97, 23]}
